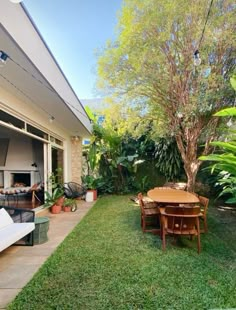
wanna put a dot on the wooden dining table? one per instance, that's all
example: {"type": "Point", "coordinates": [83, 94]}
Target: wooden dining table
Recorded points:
{"type": "Point", "coordinates": [172, 196]}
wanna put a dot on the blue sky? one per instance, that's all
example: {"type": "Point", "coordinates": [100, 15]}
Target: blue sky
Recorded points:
{"type": "Point", "coordinates": [73, 30]}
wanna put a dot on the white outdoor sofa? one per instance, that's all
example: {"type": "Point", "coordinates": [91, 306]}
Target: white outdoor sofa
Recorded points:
{"type": "Point", "coordinates": [16, 226]}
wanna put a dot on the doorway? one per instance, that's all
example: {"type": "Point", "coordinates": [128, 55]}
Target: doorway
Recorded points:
{"type": "Point", "coordinates": [57, 163]}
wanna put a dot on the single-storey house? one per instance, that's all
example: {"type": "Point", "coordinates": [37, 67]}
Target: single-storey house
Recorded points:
{"type": "Point", "coordinates": [42, 121]}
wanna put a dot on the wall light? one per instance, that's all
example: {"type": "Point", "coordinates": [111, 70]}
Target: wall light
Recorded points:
{"type": "Point", "coordinates": [51, 119]}
{"type": "Point", "coordinates": [3, 58]}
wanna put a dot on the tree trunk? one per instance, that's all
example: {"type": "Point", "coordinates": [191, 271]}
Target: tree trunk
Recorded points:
{"type": "Point", "coordinates": [191, 170]}
{"type": "Point", "coordinates": [187, 142]}
{"type": "Point", "coordinates": [188, 153]}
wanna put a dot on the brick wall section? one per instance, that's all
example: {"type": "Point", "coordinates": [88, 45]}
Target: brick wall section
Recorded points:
{"type": "Point", "coordinates": [76, 159]}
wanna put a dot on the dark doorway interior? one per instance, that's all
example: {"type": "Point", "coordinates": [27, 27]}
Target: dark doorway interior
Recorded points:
{"type": "Point", "coordinates": [57, 162]}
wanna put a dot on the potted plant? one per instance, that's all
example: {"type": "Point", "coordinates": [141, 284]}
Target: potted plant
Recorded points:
{"type": "Point", "coordinates": [69, 205]}
{"type": "Point", "coordinates": [55, 197]}
{"type": "Point", "coordinates": [90, 182]}
{"type": "Point", "coordinates": [54, 200]}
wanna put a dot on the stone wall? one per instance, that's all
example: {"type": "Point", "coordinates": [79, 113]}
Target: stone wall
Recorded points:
{"type": "Point", "coordinates": [76, 159]}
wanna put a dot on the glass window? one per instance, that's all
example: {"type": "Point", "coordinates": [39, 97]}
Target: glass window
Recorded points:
{"type": "Point", "coordinates": [37, 132]}
{"type": "Point", "coordinates": [9, 119]}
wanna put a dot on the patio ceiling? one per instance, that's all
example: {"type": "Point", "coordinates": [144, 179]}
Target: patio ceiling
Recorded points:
{"type": "Point", "coordinates": [20, 77]}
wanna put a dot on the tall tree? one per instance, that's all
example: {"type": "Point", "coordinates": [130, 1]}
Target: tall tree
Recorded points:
{"type": "Point", "coordinates": [150, 67]}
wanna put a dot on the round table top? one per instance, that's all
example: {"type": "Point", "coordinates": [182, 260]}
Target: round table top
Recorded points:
{"type": "Point", "coordinates": [170, 195]}
{"type": "Point", "coordinates": [41, 220]}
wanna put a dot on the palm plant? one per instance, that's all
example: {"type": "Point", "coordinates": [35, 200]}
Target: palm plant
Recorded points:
{"type": "Point", "coordinates": [168, 159]}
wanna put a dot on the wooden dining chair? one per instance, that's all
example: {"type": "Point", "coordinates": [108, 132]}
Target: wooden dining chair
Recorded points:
{"type": "Point", "coordinates": [204, 202]}
{"type": "Point", "coordinates": [162, 187]}
{"type": "Point", "coordinates": [149, 214]}
{"type": "Point", "coordinates": [176, 185]}
{"type": "Point", "coordinates": [178, 221]}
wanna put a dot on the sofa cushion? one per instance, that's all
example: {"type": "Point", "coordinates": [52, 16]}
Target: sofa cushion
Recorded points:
{"type": "Point", "coordinates": [5, 218]}
{"type": "Point", "coordinates": [14, 232]}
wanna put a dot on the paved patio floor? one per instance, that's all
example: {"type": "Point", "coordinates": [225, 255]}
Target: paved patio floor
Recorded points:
{"type": "Point", "coordinates": [18, 264]}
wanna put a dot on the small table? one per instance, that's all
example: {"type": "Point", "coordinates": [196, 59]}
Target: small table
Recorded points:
{"type": "Point", "coordinates": [41, 229]}
{"type": "Point", "coordinates": [172, 196]}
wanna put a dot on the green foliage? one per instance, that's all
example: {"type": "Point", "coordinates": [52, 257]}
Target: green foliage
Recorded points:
{"type": "Point", "coordinates": [233, 81]}
{"type": "Point", "coordinates": [51, 198]}
{"type": "Point", "coordinates": [69, 202]}
{"type": "Point", "coordinates": [55, 180]}
{"type": "Point", "coordinates": [55, 184]}
{"type": "Point", "coordinates": [143, 185]}
{"type": "Point", "coordinates": [226, 112]}
{"type": "Point", "coordinates": [225, 162]}
{"type": "Point", "coordinates": [117, 159]}
{"type": "Point", "coordinates": [90, 113]}
{"type": "Point", "coordinates": [108, 263]}
{"type": "Point", "coordinates": [168, 159]}
{"type": "Point", "coordinates": [90, 182]}
{"type": "Point", "coordinates": [154, 50]}
{"type": "Point", "coordinates": [92, 156]}
{"type": "Point", "coordinates": [148, 71]}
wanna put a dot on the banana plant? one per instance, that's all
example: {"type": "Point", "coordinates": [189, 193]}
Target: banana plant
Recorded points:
{"type": "Point", "coordinates": [226, 162]}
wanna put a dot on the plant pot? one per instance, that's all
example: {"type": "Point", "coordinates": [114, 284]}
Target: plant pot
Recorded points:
{"type": "Point", "coordinates": [55, 209]}
{"type": "Point", "coordinates": [67, 208]}
{"type": "Point", "coordinates": [91, 195]}
{"type": "Point", "coordinates": [95, 194]}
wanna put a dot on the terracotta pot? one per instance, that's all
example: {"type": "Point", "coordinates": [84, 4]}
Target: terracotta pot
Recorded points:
{"type": "Point", "coordinates": [95, 194]}
{"type": "Point", "coordinates": [67, 208]}
{"type": "Point", "coordinates": [55, 209]}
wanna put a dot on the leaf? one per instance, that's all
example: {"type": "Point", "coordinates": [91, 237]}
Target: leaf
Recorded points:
{"type": "Point", "coordinates": [140, 161]}
{"type": "Point", "coordinates": [231, 200]}
{"type": "Point", "coordinates": [225, 145]}
{"type": "Point", "coordinates": [89, 112]}
{"type": "Point", "coordinates": [226, 112]}
{"type": "Point", "coordinates": [131, 157]}
{"type": "Point", "coordinates": [233, 81]}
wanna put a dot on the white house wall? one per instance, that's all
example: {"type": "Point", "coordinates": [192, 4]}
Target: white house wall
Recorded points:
{"type": "Point", "coordinates": [38, 119]}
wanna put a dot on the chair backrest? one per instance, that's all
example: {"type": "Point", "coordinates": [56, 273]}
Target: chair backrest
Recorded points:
{"type": "Point", "coordinates": [67, 192]}
{"type": "Point", "coordinates": [176, 185]}
{"type": "Point", "coordinates": [163, 187]}
{"type": "Point", "coordinates": [204, 202]}
{"type": "Point", "coordinates": [74, 190]}
{"type": "Point", "coordinates": [181, 220]}
{"type": "Point", "coordinates": [140, 200]}
{"type": "Point", "coordinates": [145, 202]}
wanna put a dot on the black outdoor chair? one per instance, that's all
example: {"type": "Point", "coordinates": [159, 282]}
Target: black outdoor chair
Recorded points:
{"type": "Point", "coordinates": [74, 190]}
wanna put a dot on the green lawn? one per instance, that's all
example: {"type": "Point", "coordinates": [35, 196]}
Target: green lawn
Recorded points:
{"type": "Point", "coordinates": [108, 263]}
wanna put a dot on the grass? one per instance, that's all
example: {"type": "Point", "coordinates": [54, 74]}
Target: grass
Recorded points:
{"type": "Point", "coordinates": [108, 263]}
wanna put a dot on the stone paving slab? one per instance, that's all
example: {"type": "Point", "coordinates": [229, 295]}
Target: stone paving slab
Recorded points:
{"type": "Point", "coordinates": [18, 264]}
{"type": "Point", "coordinates": [6, 296]}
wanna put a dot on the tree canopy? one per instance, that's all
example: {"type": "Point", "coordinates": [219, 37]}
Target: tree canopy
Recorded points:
{"type": "Point", "coordinates": [150, 68]}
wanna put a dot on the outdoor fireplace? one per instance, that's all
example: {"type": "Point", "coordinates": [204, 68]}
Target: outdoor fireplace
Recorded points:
{"type": "Point", "coordinates": [19, 179]}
